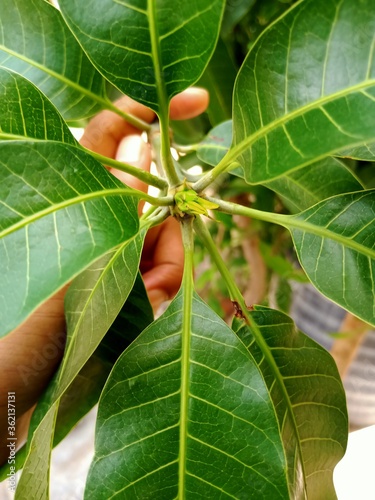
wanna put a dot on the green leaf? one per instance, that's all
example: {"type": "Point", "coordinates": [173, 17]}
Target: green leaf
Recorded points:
{"type": "Point", "coordinates": [84, 392]}
{"type": "Point", "coordinates": [300, 189]}
{"type": "Point", "coordinates": [25, 112]}
{"type": "Point", "coordinates": [65, 229]}
{"type": "Point", "coordinates": [312, 400]}
{"type": "Point", "coordinates": [185, 413]}
{"type": "Point", "coordinates": [307, 186]}
{"type": "Point", "coordinates": [365, 152]}
{"type": "Point", "coordinates": [92, 303]}
{"type": "Point", "coordinates": [335, 244]}
{"type": "Point", "coordinates": [303, 91]}
{"type": "Point", "coordinates": [149, 50]}
{"type": "Point", "coordinates": [35, 42]}
{"type": "Point", "coordinates": [216, 144]}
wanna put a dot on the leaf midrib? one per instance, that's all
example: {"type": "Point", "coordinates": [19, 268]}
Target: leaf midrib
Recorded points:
{"type": "Point", "coordinates": [97, 285]}
{"type": "Point", "coordinates": [67, 203]}
{"type": "Point", "coordinates": [54, 74]}
{"type": "Point", "coordinates": [237, 150]}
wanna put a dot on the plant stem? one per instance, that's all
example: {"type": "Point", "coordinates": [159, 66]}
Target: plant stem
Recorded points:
{"type": "Point", "coordinates": [236, 209]}
{"type": "Point", "coordinates": [166, 156]}
{"type": "Point", "coordinates": [131, 119]}
{"type": "Point", "coordinates": [163, 113]}
{"type": "Point", "coordinates": [151, 180]}
{"type": "Point", "coordinates": [103, 193]}
{"type": "Point", "coordinates": [205, 236]}
{"type": "Point", "coordinates": [223, 166]}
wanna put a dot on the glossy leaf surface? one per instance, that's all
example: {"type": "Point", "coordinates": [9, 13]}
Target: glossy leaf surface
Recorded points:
{"type": "Point", "coordinates": [66, 229]}
{"type": "Point", "coordinates": [335, 244]}
{"type": "Point", "coordinates": [90, 311]}
{"type": "Point", "coordinates": [284, 117]}
{"type": "Point", "coordinates": [151, 50]}
{"type": "Point", "coordinates": [312, 399]}
{"type": "Point", "coordinates": [186, 412]}
{"type": "Point", "coordinates": [309, 185]}
{"type": "Point", "coordinates": [300, 189]}
{"type": "Point", "coordinates": [35, 42]}
{"type": "Point", "coordinates": [25, 112]}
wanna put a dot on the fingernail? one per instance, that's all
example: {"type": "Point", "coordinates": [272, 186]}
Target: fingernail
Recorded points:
{"type": "Point", "coordinates": [157, 297]}
{"type": "Point", "coordinates": [130, 149]}
{"type": "Point", "coordinates": [196, 91]}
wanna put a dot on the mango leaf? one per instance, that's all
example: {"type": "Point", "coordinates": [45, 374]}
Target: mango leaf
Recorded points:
{"type": "Point", "coordinates": [92, 303]}
{"type": "Point", "coordinates": [308, 395]}
{"type": "Point", "coordinates": [335, 244]}
{"type": "Point", "coordinates": [35, 42]}
{"type": "Point", "coordinates": [365, 152]}
{"type": "Point", "coordinates": [185, 413]}
{"type": "Point", "coordinates": [149, 50]}
{"type": "Point", "coordinates": [66, 229]}
{"type": "Point", "coordinates": [135, 315]}
{"type": "Point", "coordinates": [298, 190]}
{"type": "Point", "coordinates": [216, 144]}
{"type": "Point", "coordinates": [285, 118]}
{"type": "Point", "coordinates": [25, 112]}
{"type": "Point", "coordinates": [309, 185]}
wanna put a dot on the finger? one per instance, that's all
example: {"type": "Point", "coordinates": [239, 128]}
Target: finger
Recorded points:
{"type": "Point", "coordinates": [134, 151]}
{"type": "Point", "coordinates": [190, 103]}
{"type": "Point", "coordinates": [104, 132]}
{"type": "Point", "coordinates": [162, 260]}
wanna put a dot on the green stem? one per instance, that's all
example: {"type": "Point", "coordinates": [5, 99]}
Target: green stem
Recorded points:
{"type": "Point", "coordinates": [151, 180]}
{"type": "Point", "coordinates": [293, 222]}
{"type": "Point", "coordinates": [236, 209]}
{"type": "Point", "coordinates": [165, 201]}
{"type": "Point", "coordinates": [131, 119]}
{"type": "Point", "coordinates": [166, 157]}
{"type": "Point", "coordinates": [205, 236]}
{"type": "Point", "coordinates": [187, 290]}
{"type": "Point", "coordinates": [223, 166]}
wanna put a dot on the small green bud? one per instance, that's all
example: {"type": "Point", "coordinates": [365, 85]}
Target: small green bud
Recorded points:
{"type": "Point", "coordinates": [188, 202]}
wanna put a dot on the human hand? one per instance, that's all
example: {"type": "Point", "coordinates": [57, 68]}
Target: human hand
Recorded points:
{"type": "Point", "coordinates": [30, 354]}
{"type": "Point", "coordinates": [109, 135]}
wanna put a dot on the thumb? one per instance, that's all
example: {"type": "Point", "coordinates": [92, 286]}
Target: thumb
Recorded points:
{"type": "Point", "coordinates": [133, 150]}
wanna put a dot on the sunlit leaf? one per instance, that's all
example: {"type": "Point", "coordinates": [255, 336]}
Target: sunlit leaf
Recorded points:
{"type": "Point", "coordinates": [35, 42]}
{"type": "Point", "coordinates": [25, 112]}
{"type": "Point", "coordinates": [286, 117]}
{"type": "Point", "coordinates": [309, 185]}
{"type": "Point", "coordinates": [308, 395]}
{"type": "Point", "coordinates": [92, 303]}
{"type": "Point", "coordinates": [300, 189]}
{"type": "Point", "coordinates": [185, 413]}
{"type": "Point", "coordinates": [56, 218]}
{"type": "Point", "coordinates": [335, 244]}
{"type": "Point", "coordinates": [149, 51]}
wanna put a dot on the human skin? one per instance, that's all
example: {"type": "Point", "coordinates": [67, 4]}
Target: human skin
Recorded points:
{"type": "Point", "coordinates": [30, 355]}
